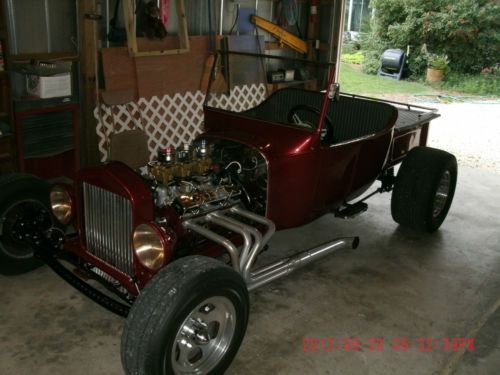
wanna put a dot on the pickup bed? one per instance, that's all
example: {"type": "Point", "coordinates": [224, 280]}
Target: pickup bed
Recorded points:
{"type": "Point", "coordinates": [411, 127]}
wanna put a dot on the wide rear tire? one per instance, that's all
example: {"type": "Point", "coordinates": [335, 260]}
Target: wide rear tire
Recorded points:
{"type": "Point", "coordinates": [191, 318]}
{"type": "Point", "coordinates": [424, 189]}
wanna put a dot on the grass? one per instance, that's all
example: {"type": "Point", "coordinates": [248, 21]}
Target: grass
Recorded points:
{"type": "Point", "coordinates": [353, 80]}
{"type": "Point", "coordinates": [482, 84]}
{"type": "Point", "coordinates": [352, 58]}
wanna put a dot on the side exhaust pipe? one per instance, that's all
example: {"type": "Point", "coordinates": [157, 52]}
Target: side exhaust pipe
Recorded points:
{"type": "Point", "coordinates": [243, 259]}
{"type": "Point", "coordinates": [266, 274]}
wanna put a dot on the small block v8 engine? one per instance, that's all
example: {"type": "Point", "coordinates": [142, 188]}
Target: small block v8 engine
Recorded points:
{"type": "Point", "coordinates": [208, 175]}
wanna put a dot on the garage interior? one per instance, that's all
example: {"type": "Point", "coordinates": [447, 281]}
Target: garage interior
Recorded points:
{"type": "Point", "coordinates": [398, 285]}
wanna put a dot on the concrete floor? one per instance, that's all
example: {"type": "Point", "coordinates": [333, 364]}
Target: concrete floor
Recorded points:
{"type": "Point", "coordinates": [397, 284]}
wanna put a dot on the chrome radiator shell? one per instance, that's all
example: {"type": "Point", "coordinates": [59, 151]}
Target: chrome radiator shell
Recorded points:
{"type": "Point", "coordinates": [107, 219]}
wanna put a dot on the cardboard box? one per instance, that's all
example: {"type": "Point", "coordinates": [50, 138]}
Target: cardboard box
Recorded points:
{"type": "Point", "coordinates": [49, 86]}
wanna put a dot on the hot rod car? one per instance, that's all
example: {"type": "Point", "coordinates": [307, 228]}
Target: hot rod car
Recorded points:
{"type": "Point", "coordinates": [175, 244]}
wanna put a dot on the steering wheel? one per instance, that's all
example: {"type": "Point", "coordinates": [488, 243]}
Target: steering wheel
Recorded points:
{"type": "Point", "coordinates": [294, 118]}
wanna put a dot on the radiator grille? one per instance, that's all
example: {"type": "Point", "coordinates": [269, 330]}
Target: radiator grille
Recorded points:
{"type": "Point", "coordinates": [108, 227]}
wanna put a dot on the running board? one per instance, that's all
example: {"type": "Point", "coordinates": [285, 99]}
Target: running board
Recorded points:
{"type": "Point", "coordinates": [351, 210]}
{"type": "Point", "coordinates": [243, 260]}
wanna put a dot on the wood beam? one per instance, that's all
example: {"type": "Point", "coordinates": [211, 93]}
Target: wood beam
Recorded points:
{"type": "Point", "coordinates": [88, 81]}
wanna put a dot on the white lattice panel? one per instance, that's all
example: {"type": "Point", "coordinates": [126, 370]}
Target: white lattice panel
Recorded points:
{"type": "Point", "coordinates": [170, 120]}
{"type": "Point", "coordinates": [240, 98]}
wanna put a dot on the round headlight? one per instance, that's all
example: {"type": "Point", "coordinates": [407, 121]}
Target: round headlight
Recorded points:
{"type": "Point", "coordinates": [149, 246]}
{"type": "Point", "coordinates": [61, 204]}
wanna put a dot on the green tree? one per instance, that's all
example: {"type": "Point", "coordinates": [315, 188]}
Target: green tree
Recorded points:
{"type": "Point", "coordinates": [467, 31]}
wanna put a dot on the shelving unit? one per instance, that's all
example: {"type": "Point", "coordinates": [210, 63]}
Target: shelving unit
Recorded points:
{"type": "Point", "coordinates": [8, 156]}
{"type": "Point", "coordinates": [45, 133]}
{"type": "Point", "coordinates": [48, 137]}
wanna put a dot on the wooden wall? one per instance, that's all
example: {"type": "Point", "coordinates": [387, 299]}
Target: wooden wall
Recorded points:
{"type": "Point", "coordinates": [156, 75]}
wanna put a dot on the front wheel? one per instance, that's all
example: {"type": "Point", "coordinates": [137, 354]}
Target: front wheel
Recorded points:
{"type": "Point", "coordinates": [190, 319]}
{"type": "Point", "coordinates": [424, 189]}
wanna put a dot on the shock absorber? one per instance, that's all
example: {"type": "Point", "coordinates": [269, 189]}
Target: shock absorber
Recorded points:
{"type": "Point", "coordinates": [387, 178]}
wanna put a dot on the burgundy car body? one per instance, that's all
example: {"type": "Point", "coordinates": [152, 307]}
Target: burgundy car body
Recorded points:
{"type": "Point", "coordinates": [316, 177]}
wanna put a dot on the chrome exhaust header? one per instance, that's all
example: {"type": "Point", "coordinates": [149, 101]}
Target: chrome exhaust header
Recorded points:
{"type": "Point", "coordinates": [243, 260]}
{"type": "Point", "coordinates": [217, 238]}
{"type": "Point", "coordinates": [271, 272]}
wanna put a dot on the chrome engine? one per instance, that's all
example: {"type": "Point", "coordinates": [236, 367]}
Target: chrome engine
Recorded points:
{"type": "Point", "coordinates": [206, 176]}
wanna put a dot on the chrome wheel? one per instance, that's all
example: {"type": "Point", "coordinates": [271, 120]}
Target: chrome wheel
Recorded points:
{"type": "Point", "coordinates": [442, 193]}
{"type": "Point", "coordinates": [204, 337]}
{"type": "Point", "coordinates": [190, 319]}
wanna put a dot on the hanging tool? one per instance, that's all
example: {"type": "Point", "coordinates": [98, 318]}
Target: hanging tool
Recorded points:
{"type": "Point", "coordinates": [164, 12]}
{"type": "Point", "coordinates": [284, 37]}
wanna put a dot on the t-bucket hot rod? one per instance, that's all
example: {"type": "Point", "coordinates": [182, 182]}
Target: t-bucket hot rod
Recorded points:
{"type": "Point", "coordinates": [176, 242]}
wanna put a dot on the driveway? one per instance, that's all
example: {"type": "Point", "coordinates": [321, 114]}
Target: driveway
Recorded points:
{"type": "Point", "coordinates": [469, 131]}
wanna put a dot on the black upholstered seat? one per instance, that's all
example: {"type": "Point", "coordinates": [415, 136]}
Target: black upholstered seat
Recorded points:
{"type": "Point", "coordinates": [351, 117]}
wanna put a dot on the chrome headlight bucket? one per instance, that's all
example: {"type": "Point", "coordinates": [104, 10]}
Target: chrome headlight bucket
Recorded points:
{"type": "Point", "coordinates": [150, 245]}
{"type": "Point", "coordinates": [61, 203]}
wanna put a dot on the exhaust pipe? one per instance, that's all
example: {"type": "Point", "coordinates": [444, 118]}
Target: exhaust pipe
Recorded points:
{"type": "Point", "coordinates": [266, 274]}
{"type": "Point", "coordinates": [231, 249]}
{"type": "Point", "coordinates": [243, 259]}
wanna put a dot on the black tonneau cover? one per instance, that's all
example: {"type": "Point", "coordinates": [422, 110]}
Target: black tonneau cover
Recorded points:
{"type": "Point", "coordinates": [409, 115]}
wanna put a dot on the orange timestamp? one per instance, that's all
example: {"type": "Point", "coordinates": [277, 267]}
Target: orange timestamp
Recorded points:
{"type": "Point", "coordinates": [379, 344]}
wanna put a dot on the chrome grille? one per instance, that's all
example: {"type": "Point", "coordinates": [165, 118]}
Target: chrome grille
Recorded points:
{"type": "Point", "coordinates": [108, 227]}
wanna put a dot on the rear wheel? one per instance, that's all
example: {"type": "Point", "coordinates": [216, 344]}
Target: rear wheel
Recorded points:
{"type": "Point", "coordinates": [24, 209]}
{"type": "Point", "coordinates": [424, 189]}
{"type": "Point", "coordinates": [190, 319]}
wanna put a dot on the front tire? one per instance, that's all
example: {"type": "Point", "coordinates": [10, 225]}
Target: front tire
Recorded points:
{"type": "Point", "coordinates": [24, 206]}
{"type": "Point", "coordinates": [190, 319]}
{"type": "Point", "coordinates": [424, 189]}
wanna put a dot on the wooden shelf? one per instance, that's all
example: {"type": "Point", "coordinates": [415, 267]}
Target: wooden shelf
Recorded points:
{"type": "Point", "coordinates": [43, 57]}
{"type": "Point", "coordinates": [277, 46]}
{"type": "Point", "coordinates": [310, 84]}
{"type": "Point", "coordinates": [8, 152]}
